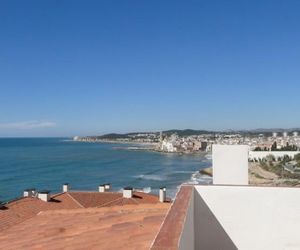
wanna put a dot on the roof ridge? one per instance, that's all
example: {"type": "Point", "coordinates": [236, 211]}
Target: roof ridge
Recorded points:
{"type": "Point", "coordinates": [57, 194]}
{"type": "Point", "coordinates": [92, 192]}
{"type": "Point", "coordinates": [76, 201]}
{"type": "Point", "coordinates": [105, 204]}
{"type": "Point", "coordinates": [135, 201]}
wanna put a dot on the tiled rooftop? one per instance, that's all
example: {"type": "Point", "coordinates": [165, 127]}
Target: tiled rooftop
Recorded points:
{"type": "Point", "coordinates": [25, 208]}
{"type": "Point", "coordinates": [117, 227]}
{"type": "Point", "coordinates": [96, 199]}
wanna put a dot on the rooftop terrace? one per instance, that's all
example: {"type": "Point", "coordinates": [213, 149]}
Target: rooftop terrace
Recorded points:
{"type": "Point", "coordinates": [232, 217]}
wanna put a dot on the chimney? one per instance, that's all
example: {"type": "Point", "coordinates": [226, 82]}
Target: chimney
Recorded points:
{"type": "Point", "coordinates": [44, 195]}
{"type": "Point", "coordinates": [127, 192]}
{"type": "Point", "coordinates": [65, 187]}
{"type": "Point", "coordinates": [107, 187]}
{"type": "Point", "coordinates": [29, 192]}
{"type": "Point", "coordinates": [101, 188]}
{"type": "Point", "coordinates": [162, 194]}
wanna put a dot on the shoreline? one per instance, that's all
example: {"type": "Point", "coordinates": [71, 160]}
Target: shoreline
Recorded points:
{"type": "Point", "coordinates": [110, 166]}
{"type": "Point", "coordinates": [151, 146]}
{"type": "Point", "coordinates": [116, 142]}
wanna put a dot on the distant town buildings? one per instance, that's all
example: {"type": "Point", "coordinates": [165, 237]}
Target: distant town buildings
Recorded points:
{"type": "Point", "coordinates": [259, 142]}
{"type": "Point", "coordinates": [173, 143]}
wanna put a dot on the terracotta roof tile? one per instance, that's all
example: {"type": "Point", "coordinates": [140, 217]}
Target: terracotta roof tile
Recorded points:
{"type": "Point", "coordinates": [118, 227]}
{"type": "Point", "coordinates": [170, 232]}
{"type": "Point", "coordinates": [96, 199]}
{"type": "Point", "coordinates": [25, 208]}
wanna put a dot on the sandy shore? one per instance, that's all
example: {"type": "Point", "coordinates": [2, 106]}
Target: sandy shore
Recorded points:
{"type": "Point", "coordinates": [207, 171]}
{"type": "Point", "coordinates": [261, 177]}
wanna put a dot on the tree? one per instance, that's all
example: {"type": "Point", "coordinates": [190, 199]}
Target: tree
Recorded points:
{"type": "Point", "coordinates": [270, 158]}
{"type": "Point", "coordinates": [274, 146]}
{"type": "Point", "coordinates": [297, 157]}
{"type": "Point", "coordinates": [286, 158]}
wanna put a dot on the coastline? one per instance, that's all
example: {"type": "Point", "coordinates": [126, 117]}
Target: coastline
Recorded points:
{"type": "Point", "coordinates": [140, 146]}
{"type": "Point", "coordinates": [201, 176]}
{"type": "Point", "coordinates": [116, 142]}
{"type": "Point", "coordinates": [85, 166]}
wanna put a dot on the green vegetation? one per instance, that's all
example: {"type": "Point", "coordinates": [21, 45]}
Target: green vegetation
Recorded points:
{"type": "Point", "coordinates": [274, 148]}
{"type": "Point", "coordinates": [269, 164]}
{"type": "Point", "coordinates": [186, 132]}
{"type": "Point", "coordinates": [291, 182]}
{"type": "Point", "coordinates": [297, 158]}
{"type": "Point", "coordinates": [288, 148]}
{"type": "Point", "coordinates": [261, 149]}
{"type": "Point", "coordinates": [110, 136]}
{"type": "Point", "coordinates": [258, 176]}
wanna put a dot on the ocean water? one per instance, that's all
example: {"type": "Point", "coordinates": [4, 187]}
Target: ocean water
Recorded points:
{"type": "Point", "coordinates": [47, 163]}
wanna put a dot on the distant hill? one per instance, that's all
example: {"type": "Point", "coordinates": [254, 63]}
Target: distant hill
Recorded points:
{"type": "Point", "coordinates": [189, 132]}
{"type": "Point", "coordinates": [111, 136]}
{"type": "Point", "coordinates": [278, 130]}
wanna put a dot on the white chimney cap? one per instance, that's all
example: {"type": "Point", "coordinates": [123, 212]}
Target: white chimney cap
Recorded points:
{"type": "Point", "coordinates": [101, 188]}
{"type": "Point", "coordinates": [127, 192]}
{"type": "Point", "coordinates": [162, 194]}
{"type": "Point", "coordinates": [29, 192]}
{"type": "Point", "coordinates": [65, 187]}
{"type": "Point", "coordinates": [44, 195]}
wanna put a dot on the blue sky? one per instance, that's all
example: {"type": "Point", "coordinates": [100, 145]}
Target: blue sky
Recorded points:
{"type": "Point", "coordinates": [92, 67]}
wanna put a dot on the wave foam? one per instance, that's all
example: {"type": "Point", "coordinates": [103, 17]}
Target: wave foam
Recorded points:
{"type": "Point", "coordinates": [198, 178]}
{"type": "Point", "coordinates": [152, 177]}
{"type": "Point", "coordinates": [208, 157]}
{"type": "Point", "coordinates": [183, 172]}
{"type": "Point", "coordinates": [147, 190]}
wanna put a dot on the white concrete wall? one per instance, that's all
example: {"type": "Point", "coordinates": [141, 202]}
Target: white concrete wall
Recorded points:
{"type": "Point", "coordinates": [255, 217]}
{"type": "Point", "coordinates": [276, 154]}
{"type": "Point", "coordinates": [208, 232]}
{"type": "Point", "coordinates": [230, 164]}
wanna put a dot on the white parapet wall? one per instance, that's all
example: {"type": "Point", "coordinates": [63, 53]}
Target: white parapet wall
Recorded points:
{"type": "Point", "coordinates": [230, 164]}
{"type": "Point", "coordinates": [259, 155]}
{"type": "Point", "coordinates": [252, 217]}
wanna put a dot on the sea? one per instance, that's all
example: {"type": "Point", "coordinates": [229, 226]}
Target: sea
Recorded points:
{"type": "Point", "coordinates": [47, 163]}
